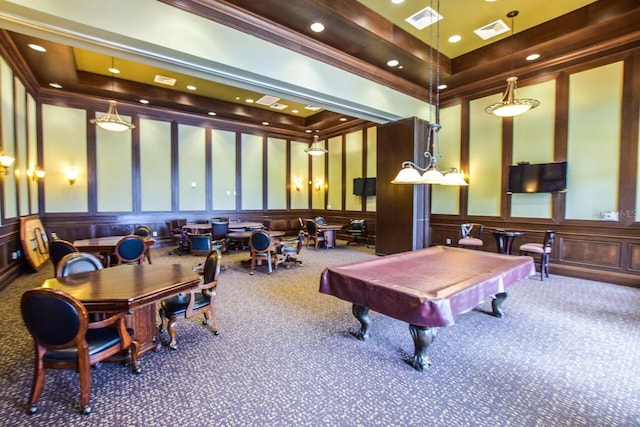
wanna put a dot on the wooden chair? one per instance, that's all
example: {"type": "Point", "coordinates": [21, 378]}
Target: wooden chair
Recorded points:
{"type": "Point", "coordinates": [199, 244]}
{"type": "Point", "coordinates": [357, 231]}
{"type": "Point", "coordinates": [179, 236]}
{"type": "Point", "coordinates": [199, 300]}
{"type": "Point", "coordinates": [130, 250]}
{"type": "Point", "coordinates": [58, 249]}
{"type": "Point", "coordinates": [144, 231]}
{"type": "Point", "coordinates": [219, 240]}
{"type": "Point", "coordinates": [263, 249]}
{"type": "Point", "coordinates": [65, 339]}
{"type": "Point", "coordinates": [471, 236]}
{"type": "Point", "coordinates": [78, 262]}
{"type": "Point", "coordinates": [315, 235]}
{"type": "Point", "coordinates": [291, 248]}
{"type": "Point", "coordinates": [541, 250]}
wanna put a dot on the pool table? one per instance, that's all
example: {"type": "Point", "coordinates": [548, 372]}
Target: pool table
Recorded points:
{"type": "Point", "coordinates": [426, 288]}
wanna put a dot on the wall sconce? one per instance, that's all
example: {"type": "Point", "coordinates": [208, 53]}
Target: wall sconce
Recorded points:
{"type": "Point", "coordinates": [5, 162]}
{"type": "Point", "coordinates": [36, 174]}
{"type": "Point", "coordinates": [318, 185]}
{"type": "Point", "coordinates": [72, 176]}
{"type": "Point", "coordinates": [297, 183]}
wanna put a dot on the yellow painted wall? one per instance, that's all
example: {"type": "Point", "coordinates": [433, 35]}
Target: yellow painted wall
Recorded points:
{"type": "Point", "coordinates": [21, 164]}
{"type": "Point", "coordinates": [318, 174]}
{"type": "Point", "coordinates": [155, 165]}
{"type": "Point", "coordinates": [300, 176]}
{"type": "Point", "coordinates": [372, 156]}
{"type": "Point", "coordinates": [485, 153]}
{"type": "Point", "coordinates": [445, 199]}
{"type": "Point", "coordinates": [276, 173]}
{"type": "Point", "coordinates": [334, 179]}
{"type": "Point", "coordinates": [114, 170]}
{"type": "Point", "coordinates": [32, 152]}
{"type": "Point", "coordinates": [251, 160]}
{"type": "Point", "coordinates": [64, 131]}
{"type": "Point", "coordinates": [8, 135]}
{"type": "Point", "coordinates": [593, 148]}
{"type": "Point", "coordinates": [533, 142]}
{"type": "Point", "coordinates": [353, 159]}
{"type": "Point", "coordinates": [191, 168]}
{"type": "Point", "coordinates": [223, 152]}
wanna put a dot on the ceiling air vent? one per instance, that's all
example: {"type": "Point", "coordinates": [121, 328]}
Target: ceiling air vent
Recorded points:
{"type": "Point", "coordinates": [424, 18]}
{"type": "Point", "coordinates": [267, 100]}
{"type": "Point", "coordinates": [492, 30]}
{"type": "Point", "coordinates": [278, 106]}
{"type": "Point", "coordinates": [169, 81]}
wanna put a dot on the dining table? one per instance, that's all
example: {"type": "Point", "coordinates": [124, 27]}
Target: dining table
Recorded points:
{"type": "Point", "coordinates": [245, 225]}
{"type": "Point", "coordinates": [130, 289]}
{"type": "Point", "coordinates": [197, 228]}
{"type": "Point", "coordinates": [106, 246]}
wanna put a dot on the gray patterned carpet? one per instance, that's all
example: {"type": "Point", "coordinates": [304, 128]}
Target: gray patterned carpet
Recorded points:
{"type": "Point", "coordinates": [567, 353]}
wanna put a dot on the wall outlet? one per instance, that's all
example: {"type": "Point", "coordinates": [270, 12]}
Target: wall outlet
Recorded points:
{"type": "Point", "coordinates": [15, 255]}
{"type": "Point", "coordinates": [448, 241]}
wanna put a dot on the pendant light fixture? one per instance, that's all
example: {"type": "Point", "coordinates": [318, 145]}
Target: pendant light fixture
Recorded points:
{"type": "Point", "coordinates": [315, 149]}
{"type": "Point", "coordinates": [509, 105]}
{"type": "Point", "coordinates": [112, 120]}
{"type": "Point", "coordinates": [431, 173]}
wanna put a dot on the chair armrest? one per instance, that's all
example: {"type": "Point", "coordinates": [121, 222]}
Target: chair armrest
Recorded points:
{"type": "Point", "coordinates": [106, 322]}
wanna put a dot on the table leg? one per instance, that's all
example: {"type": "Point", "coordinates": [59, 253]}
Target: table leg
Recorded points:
{"type": "Point", "coordinates": [362, 314]}
{"type": "Point", "coordinates": [330, 238]}
{"type": "Point", "coordinates": [422, 338]}
{"type": "Point", "coordinates": [496, 304]}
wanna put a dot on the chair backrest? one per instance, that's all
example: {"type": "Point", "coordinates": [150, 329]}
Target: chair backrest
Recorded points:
{"type": "Point", "coordinates": [549, 237]}
{"type": "Point", "coordinates": [143, 230]}
{"type": "Point", "coordinates": [77, 262]}
{"type": "Point", "coordinates": [58, 249]}
{"type": "Point", "coordinates": [357, 224]}
{"type": "Point", "coordinates": [471, 230]}
{"type": "Point", "coordinates": [320, 220]}
{"type": "Point", "coordinates": [260, 241]}
{"type": "Point", "coordinates": [54, 318]}
{"type": "Point", "coordinates": [266, 223]}
{"type": "Point", "coordinates": [130, 249]}
{"type": "Point", "coordinates": [219, 229]}
{"type": "Point", "coordinates": [211, 268]}
{"type": "Point", "coordinates": [200, 242]}
{"type": "Point", "coordinates": [312, 228]}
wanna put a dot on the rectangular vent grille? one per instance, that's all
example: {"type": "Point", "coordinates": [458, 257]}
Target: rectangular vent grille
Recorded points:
{"type": "Point", "coordinates": [164, 80]}
{"type": "Point", "coordinates": [267, 100]}
{"type": "Point", "coordinates": [424, 18]}
{"type": "Point", "coordinates": [492, 30]}
{"type": "Point", "coordinates": [278, 106]}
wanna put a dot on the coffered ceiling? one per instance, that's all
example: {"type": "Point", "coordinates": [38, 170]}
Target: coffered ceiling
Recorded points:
{"type": "Point", "coordinates": [368, 33]}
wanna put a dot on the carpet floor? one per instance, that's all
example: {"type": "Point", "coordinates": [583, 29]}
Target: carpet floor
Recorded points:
{"type": "Point", "coordinates": [567, 353]}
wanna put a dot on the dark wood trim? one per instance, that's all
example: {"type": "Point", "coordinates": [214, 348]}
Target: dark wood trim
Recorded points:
{"type": "Point", "coordinates": [175, 167]}
{"type": "Point", "coordinates": [629, 140]}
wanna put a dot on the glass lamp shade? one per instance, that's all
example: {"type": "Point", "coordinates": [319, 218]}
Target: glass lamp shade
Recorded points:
{"type": "Point", "coordinates": [432, 176]}
{"type": "Point", "coordinates": [315, 149]}
{"type": "Point", "coordinates": [454, 178]}
{"type": "Point", "coordinates": [6, 161]}
{"type": "Point", "coordinates": [509, 106]}
{"type": "Point", "coordinates": [112, 120]}
{"type": "Point", "coordinates": [407, 175]}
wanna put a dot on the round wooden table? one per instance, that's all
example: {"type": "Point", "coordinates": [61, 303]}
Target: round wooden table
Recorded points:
{"type": "Point", "coordinates": [197, 228]}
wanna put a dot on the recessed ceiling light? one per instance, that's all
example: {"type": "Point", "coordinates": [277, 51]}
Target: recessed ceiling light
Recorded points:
{"type": "Point", "coordinates": [397, 1]}
{"type": "Point", "coordinates": [249, 101]}
{"type": "Point", "coordinates": [343, 119]}
{"type": "Point", "coordinates": [317, 27]}
{"type": "Point", "coordinates": [37, 47]}
{"type": "Point", "coordinates": [533, 57]}
{"type": "Point", "coordinates": [211, 113]}
{"type": "Point", "coordinates": [114, 70]}
{"type": "Point", "coordinates": [265, 123]}
{"type": "Point", "coordinates": [144, 101]}
{"type": "Point", "coordinates": [308, 131]}
{"type": "Point", "coordinates": [393, 63]}
{"type": "Point", "coordinates": [295, 111]}
{"type": "Point", "coordinates": [455, 38]}
{"type": "Point", "coordinates": [442, 87]}
{"type": "Point", "coordinates": [489, 1]}
{"type": "Point", "coordinates": [191, 87]}
{"type": "Point", "coordinates": [55, 85]}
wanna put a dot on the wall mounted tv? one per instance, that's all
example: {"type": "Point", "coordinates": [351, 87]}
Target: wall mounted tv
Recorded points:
{"type": "Point", "coordinates": [537, 178]}
{"type": "Point", "coordinates": [364, 186]}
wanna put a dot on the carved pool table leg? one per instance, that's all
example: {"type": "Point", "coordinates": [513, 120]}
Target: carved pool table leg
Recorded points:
{"type": "Point", "coordinates": [362, 314]}
{"type": "Point", "coordinates": [496, 304]}
{"type": "Point", "coordinates": [422, 338]}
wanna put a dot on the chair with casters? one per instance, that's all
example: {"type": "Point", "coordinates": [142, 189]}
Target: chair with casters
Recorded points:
{"type": "Point", "coordinates": [357, 231]}
{"type": "Point", "coordinates": [263, 249]}
{"type": "Point", "coordinates": [179, 236]}
{"type": "Point", "coordinates": [471, 236]}
{"type": "Point", "coordinates": [541, 250]}
{"type": "Point", "coordinates": [65, 339]}
{"type": "Point", "coordinates": [290, 248]}
{"type": "Point", "coordinates": [200, 244]}
{"type": "Point", "coordinates": [130, 250]}
{"type": "Point", "coordinates": [219, 240]}
{"type": "Point", "coordinates": [200, 300]}
{"type": "Point", "coordinates": [303, 227]}
{"type": "Point", "coordinates": [144, 231]}
{"type": "Point", "coordinates": [78, 262]}
{"type": "Point", "coordinates": [315, 235]}
{"type": "Point", "coordinates": [58, 249]}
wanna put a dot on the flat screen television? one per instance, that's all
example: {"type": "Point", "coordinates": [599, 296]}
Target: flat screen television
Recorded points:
{"type": "Point", "coordinates": [364, 186]}
{"type": "Point", "coordinates": [537, 178]}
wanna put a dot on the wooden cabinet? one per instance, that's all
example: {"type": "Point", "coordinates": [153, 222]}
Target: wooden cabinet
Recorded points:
{"type": "Point", "coordinates": [402, 213]}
